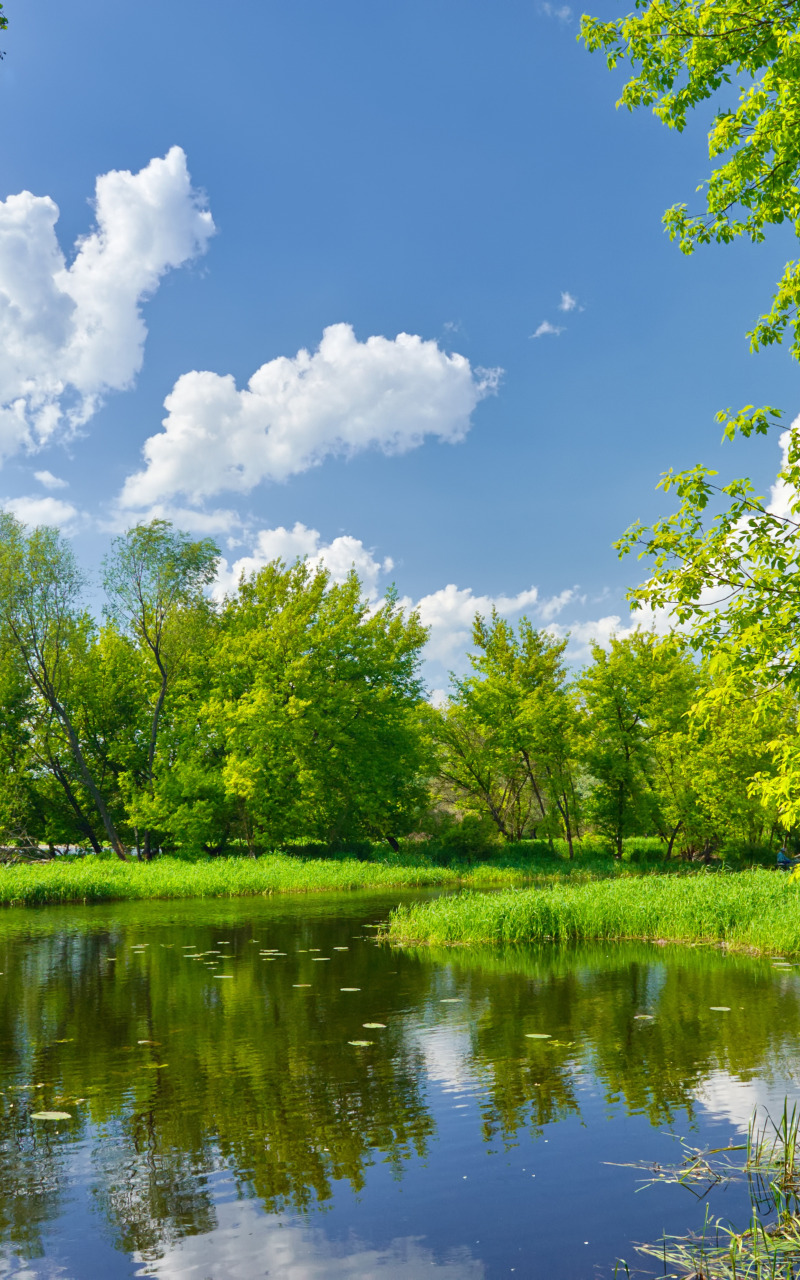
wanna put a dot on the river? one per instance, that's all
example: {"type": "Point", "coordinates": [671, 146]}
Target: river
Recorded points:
{"type": "Point", "coordinates": [230, 1113]}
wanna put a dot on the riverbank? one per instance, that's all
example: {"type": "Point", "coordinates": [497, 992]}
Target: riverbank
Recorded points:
{"type": "Point", "coordinates": [754, 909]}
{"type": "Point", "coordinates": [103, 880]}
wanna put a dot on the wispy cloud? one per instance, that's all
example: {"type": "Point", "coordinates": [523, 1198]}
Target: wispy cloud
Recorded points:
{"type": "Point", "coordinates": [560, 11]}
{"type": "Point", "coordinates": [567, 303]}
{"type": "Point", "coordinates": [50, 481]}
{"type": "Point", "coordinates": [546, 328]}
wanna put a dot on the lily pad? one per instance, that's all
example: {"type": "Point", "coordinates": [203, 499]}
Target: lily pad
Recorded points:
{"type": "Point", "coordinates": [349, 988]}
{"type": "Point", "coordinates": [374, 1026]}
{"type": "Point", "coordinates": [644, 1017]}
{"type": "Point", "coordinates": [360, 1044]}
{"type": "Point", "coordinates": [720, 1008]}
{"type": "Point", "coordinates": [51, 1115]}
{"type": "Point", "coordinates": [537, 1035]}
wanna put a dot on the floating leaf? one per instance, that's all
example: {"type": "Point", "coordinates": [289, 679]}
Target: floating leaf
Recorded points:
{"type": "Point", "coordinates": [349, 988]}
{"type": "Point", "coordinates": [316, 959]}
{"type": "Point", "coordinates": [301, 984]}
{"type": "Point", "coordinates": [341, 948]}
{"type": "Point", "coordinates": [374, 1026]}
{"type": "Point", "coordinates": [537, 1035]}
{"type": "Point", "coordinates": [720, 1008]}
{"type": "Point", "coordinates": [223, 975]}
{"type": "Point", "coordinates": [51, 1115]}
{"type": "Point", "coordinates": [451, 1000]}
{"type": "Point", "coordinates": [360, 1044]}
{"type": "Point", "coordinates": [148, 1042]}
{"type": "Point", "coordinates": [644, 1017]}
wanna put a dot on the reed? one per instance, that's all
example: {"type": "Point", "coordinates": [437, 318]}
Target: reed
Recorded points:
{"type": "Point", "coordinates": [755, 909]}
{"type": "Point", "coordinates": [769, 1247]}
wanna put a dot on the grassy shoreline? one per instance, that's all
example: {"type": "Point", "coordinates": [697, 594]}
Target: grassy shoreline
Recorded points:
{"type": "Point", "coordinates": [754, 910]}
{"type": "Point", "coordinates": [84, 880]}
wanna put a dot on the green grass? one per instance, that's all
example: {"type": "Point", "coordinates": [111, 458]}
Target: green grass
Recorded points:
{"type": "Point", "coordinates": [757, 909]}
{"type": "Point", "coordinates": [100, 880]}
{"type": "Point", "coordinates": [105, 879]}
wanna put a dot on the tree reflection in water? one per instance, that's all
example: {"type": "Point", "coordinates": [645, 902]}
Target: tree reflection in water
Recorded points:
{"type": "Point", "coordinates": [184, 1078]}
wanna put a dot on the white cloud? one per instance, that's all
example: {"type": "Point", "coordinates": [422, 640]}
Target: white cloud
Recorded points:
{"type": "Point", "coordinates": [546, 328]}
{"type": "Point", "coordinates": [50, 481]}
{"type": "Point", "coordinates": [450, 611]}
{"type": "Point", "coordinates": [560, 11]}
{"type": "Point", "coordinates": [567, 303]}
{"type": "Point", "coordinates": [70, 334]}
{"type": "Point", "coordinates": [34, 510]}
{"type": "Point", "coordinates": [247, 1244]}
{"type": "Point", "coordinates": [338, 557]}
{"type": "Point", "coordinates": [347, 396]}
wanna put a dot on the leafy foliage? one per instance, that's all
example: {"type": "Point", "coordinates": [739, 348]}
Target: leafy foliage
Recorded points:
{"type": "Point", "coordinates": [685, 52]}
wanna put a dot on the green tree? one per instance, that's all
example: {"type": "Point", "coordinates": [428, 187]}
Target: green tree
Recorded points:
{"type": "Point", "coordinates": [506, 737]}
{"type": "Point", "coordinates": [617, 753]}
{"type": "Point", "coordinates": [155, 579]}
{"type": "Point", "coordinates": [733, 580]}
{"type": "Point", "coordinates": [685, 52]}
{"type": "Point", "coordinates": [41, 620]}
{"type": "Point", "coordinates": [316, 692]}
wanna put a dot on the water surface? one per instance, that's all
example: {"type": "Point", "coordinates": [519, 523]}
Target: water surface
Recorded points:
{"type": "Point", "coordinates": [224, 1126]}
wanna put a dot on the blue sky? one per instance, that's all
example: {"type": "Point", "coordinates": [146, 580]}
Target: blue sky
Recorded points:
{"type": "Point", "coordinates": [446, 169]}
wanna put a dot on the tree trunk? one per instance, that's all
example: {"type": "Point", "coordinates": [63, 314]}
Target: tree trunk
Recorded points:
{"type": "Point", "coordinates": [83, 821]}
{"type": "Point", "coordinates": [392, 843]}
{"type": "Point", "coordinates": [89, 783]}
{"type": "Point", "coordinates": [672, 839]}
{"type": "Point", "coordinates": [147, 848]}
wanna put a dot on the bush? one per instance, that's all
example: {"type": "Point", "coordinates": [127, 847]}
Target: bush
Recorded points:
{"type": "Point", "coordinates": [473, 839]}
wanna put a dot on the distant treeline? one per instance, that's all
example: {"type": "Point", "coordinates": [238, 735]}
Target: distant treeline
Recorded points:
{"type": "Point", "coordinates": [293, 712]}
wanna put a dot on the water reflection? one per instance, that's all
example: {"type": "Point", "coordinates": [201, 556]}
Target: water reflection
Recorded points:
{"type": "Point", "coordinates": [205, 1054]}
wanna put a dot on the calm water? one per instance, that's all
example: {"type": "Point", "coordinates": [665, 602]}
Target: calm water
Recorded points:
{"type": "Point", "coordinates": [223, 1126]}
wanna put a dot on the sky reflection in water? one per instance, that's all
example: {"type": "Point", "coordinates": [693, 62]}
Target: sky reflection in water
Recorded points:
{"type": "Point", "coordinates": [226, 1127]}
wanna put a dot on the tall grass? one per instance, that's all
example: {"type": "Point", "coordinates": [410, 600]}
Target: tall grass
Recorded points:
{"type": "Point", "coordinates": [758, 909]}
{"type": "Point", "coordinates": [98, 880]}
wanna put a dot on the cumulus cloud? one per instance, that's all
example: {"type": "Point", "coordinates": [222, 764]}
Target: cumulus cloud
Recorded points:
{"type": "Point", "coordinates": [346, 396]}
{"type": "Point", "coordinates": [338, 557]}
{"type": "Point", "coordinates": [567, 303]}
{"type": "Point", "coordinates": [34, 510]}
{"type": "Point", "coordinates": [50, 481]}
{"type": "Point", "coordinates": [69, 334]}
{"type": "Point", "coordinates": [450, 611]}
{"type": "Point", "coordinates": [546, 329]}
